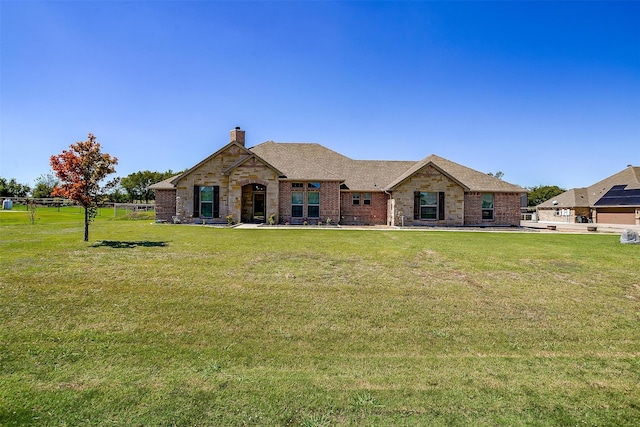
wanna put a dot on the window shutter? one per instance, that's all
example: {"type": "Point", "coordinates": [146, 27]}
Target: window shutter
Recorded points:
{"type": "Point", "coordinates": [416, 205]}
{"type": "Point", "coordinates": [196, 201]}
{"type": "Point", "coordinates": [441, 205]}
{"type": "Point", "coordinates": [216, 201]}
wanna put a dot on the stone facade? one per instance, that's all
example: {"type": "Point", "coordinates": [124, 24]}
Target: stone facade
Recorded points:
{"type": "Point", "coordinates": [207, 173]}
{"type": "Point", "coordinates": [211, 173]}
{"type": "Point", "coordinates": [555, 214]}
{"type": "Point", "coordinates": [251, 185]}
{"type": "Point", "coordinates": [241, 181]}
{"type": "Point", "coordinates": [429, 179]}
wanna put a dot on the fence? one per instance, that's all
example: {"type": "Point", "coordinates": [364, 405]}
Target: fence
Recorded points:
{"type": "Point", "coordinates": [132, 208]}
{"type": "Point", "coordinates": [43, 201]}
{"type": "Point", "coordinates": [119, 209]}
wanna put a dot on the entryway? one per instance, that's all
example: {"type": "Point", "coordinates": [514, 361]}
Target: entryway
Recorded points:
{"type": "Point", "coordinates": [254, 203]}
{"type": "Point", "coordinates": [258, 207]}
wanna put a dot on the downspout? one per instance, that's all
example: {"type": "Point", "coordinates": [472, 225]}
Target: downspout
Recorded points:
{"type": "Point", "coordinates": [339, 203]}
{"type": "Point", "coordinates": [339, 206]}
{"type": "Point", "coordinates": [393, 208]}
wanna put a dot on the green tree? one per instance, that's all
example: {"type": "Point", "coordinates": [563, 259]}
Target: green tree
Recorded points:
{"type": "Point", "coordinates": [137, 184]}
{"type": "Point", "coordinates": [44, 186]}
{"type": "Point", "coordinates": [81, 170]}
{"type": "Point", "coordinates": [542, 193]}
{"type": "Point", "coordinates": [117, 195]}
{"type": "Point", "coordinates": [13, 188]}
{"type": "Point", "coordinates": [498, 174]}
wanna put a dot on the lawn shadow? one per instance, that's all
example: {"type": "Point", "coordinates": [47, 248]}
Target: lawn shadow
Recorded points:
{"type": "Point", "coordinates": [119, 244]}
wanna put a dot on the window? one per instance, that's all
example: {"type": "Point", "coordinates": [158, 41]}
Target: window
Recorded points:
{"type": "Point", "coordinates": [356, 198]}
{"type": "Point", "coordinates": [487, 206]}
{"type": "Point", "coordinates": [297, 201]}
{"type": "Point", "coordinates": [206, 204]}
{"type": "Point", "coordinates": [366, 199]}
{"type": "Point", "coordinates": [313, 204]}
{"type": "Point", "coordinates": [428, 205]}
{"type": "Point", "coordinates": [313, 185]}
{"type": "Point", "coordinates": [297, 185]}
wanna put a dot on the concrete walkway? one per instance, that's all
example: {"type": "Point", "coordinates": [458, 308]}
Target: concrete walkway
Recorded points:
{"type": "Point", "coordinates": [569, 227]}
{"type": "Point", "coordinates": [561, 227]}
{"type": "Point", "coordinates": [247, 225]}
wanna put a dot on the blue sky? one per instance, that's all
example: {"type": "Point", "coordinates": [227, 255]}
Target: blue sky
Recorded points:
{"type": "Point", "coordinates": [546, 92]}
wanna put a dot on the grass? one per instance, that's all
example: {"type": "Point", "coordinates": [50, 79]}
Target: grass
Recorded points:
{"type": "Point", "coordinates": [152, 324]}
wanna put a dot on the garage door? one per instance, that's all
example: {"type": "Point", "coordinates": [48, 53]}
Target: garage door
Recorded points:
{"type": "Point", "coordinates": [617, 218]}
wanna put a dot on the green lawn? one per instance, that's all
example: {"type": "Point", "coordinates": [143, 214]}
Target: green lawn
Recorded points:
{"type": "Point", "coordinates": [150, 324]}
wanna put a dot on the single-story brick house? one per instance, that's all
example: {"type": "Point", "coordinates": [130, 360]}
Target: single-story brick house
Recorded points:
{"type": "Point", "coordinates": [614, 200]}
{"type": "Point", "coordinates": [298, 182]}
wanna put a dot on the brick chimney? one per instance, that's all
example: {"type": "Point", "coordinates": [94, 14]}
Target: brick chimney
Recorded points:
{"type": "Point", "coordinates": [237, 135]}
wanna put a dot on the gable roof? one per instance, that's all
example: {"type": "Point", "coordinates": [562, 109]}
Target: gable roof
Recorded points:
{"type": "Point", "coordinates": [626, 180]}
{"type": "Point", "coordinates": [177, 178]}
{"type": "Point", "coordinates": [245, 159]}
{"type": "Point", "coordinates": [374, 175]}
{"type": "Point", "coordinates": [629, 177]}
{"type": "Point", "coordinates": [171, 182]}
{"type": "Point", "coordinates": [301, 161]}
{"type": "Point", "coordinates": [166, 184]}
{"type": "Point", "coordinates": [618, 195]}
{"type": "Point", "coordinates": [469, 179]}
{"type": "Point", "coordinates": [576, 197]}
{"type": "Point", "coordinates": [315, 162]}
{"type": "Point", "coordinates": [312, 161]}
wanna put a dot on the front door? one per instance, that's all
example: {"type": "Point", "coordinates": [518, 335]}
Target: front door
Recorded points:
{"type": "Point", "coordinates": [258, 206]}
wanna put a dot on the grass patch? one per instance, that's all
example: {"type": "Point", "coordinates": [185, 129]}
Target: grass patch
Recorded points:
{"type": "Point", "coordinates": [151, 324]}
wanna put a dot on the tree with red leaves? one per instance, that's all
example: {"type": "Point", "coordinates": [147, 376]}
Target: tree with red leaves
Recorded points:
{"type": "Point", "coordinates": [80, 170]}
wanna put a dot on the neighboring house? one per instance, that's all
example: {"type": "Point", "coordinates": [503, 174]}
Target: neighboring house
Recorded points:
{"type": "Point", "coordinates": [614, 200]}
{"type": "Point", "coordinates": [305, 182]}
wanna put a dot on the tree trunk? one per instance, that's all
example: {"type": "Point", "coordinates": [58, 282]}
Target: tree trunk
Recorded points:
{"type": "Point", "coordinates": [86, 224]}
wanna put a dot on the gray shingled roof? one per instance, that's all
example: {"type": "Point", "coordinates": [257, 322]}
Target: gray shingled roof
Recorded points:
{"type": "Point", "coordinates": [300, 161]}
{"type": "Point", "coordinates": [372, 175]}
{"type": "Point", "coordinates": [311, 161]}
{"type": "Point", "coordinates": [166, 184]}
{"type": "Point", "coordinates": [314, 162]}
{"type": "Point", "coordinates": [469, 179]}
{"type": "Point", "coordinates": [576, 197]}
{"type": "Point", "coordinates": [630, 176]}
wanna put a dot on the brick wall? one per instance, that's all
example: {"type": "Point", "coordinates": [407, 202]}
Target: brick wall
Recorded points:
{"type": "Point", "coordinates": [506, 209]}
{"type": "Point", "coordinates": [361, 214]}
{"type": "Point", "coordinates": [284, 195]}
{"type": "Point", "coordinates": [329, 202]}
{"type": "Point", "coordinates": [473, 209]}
{"type": "Point", "coordinates": [165, 204]}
